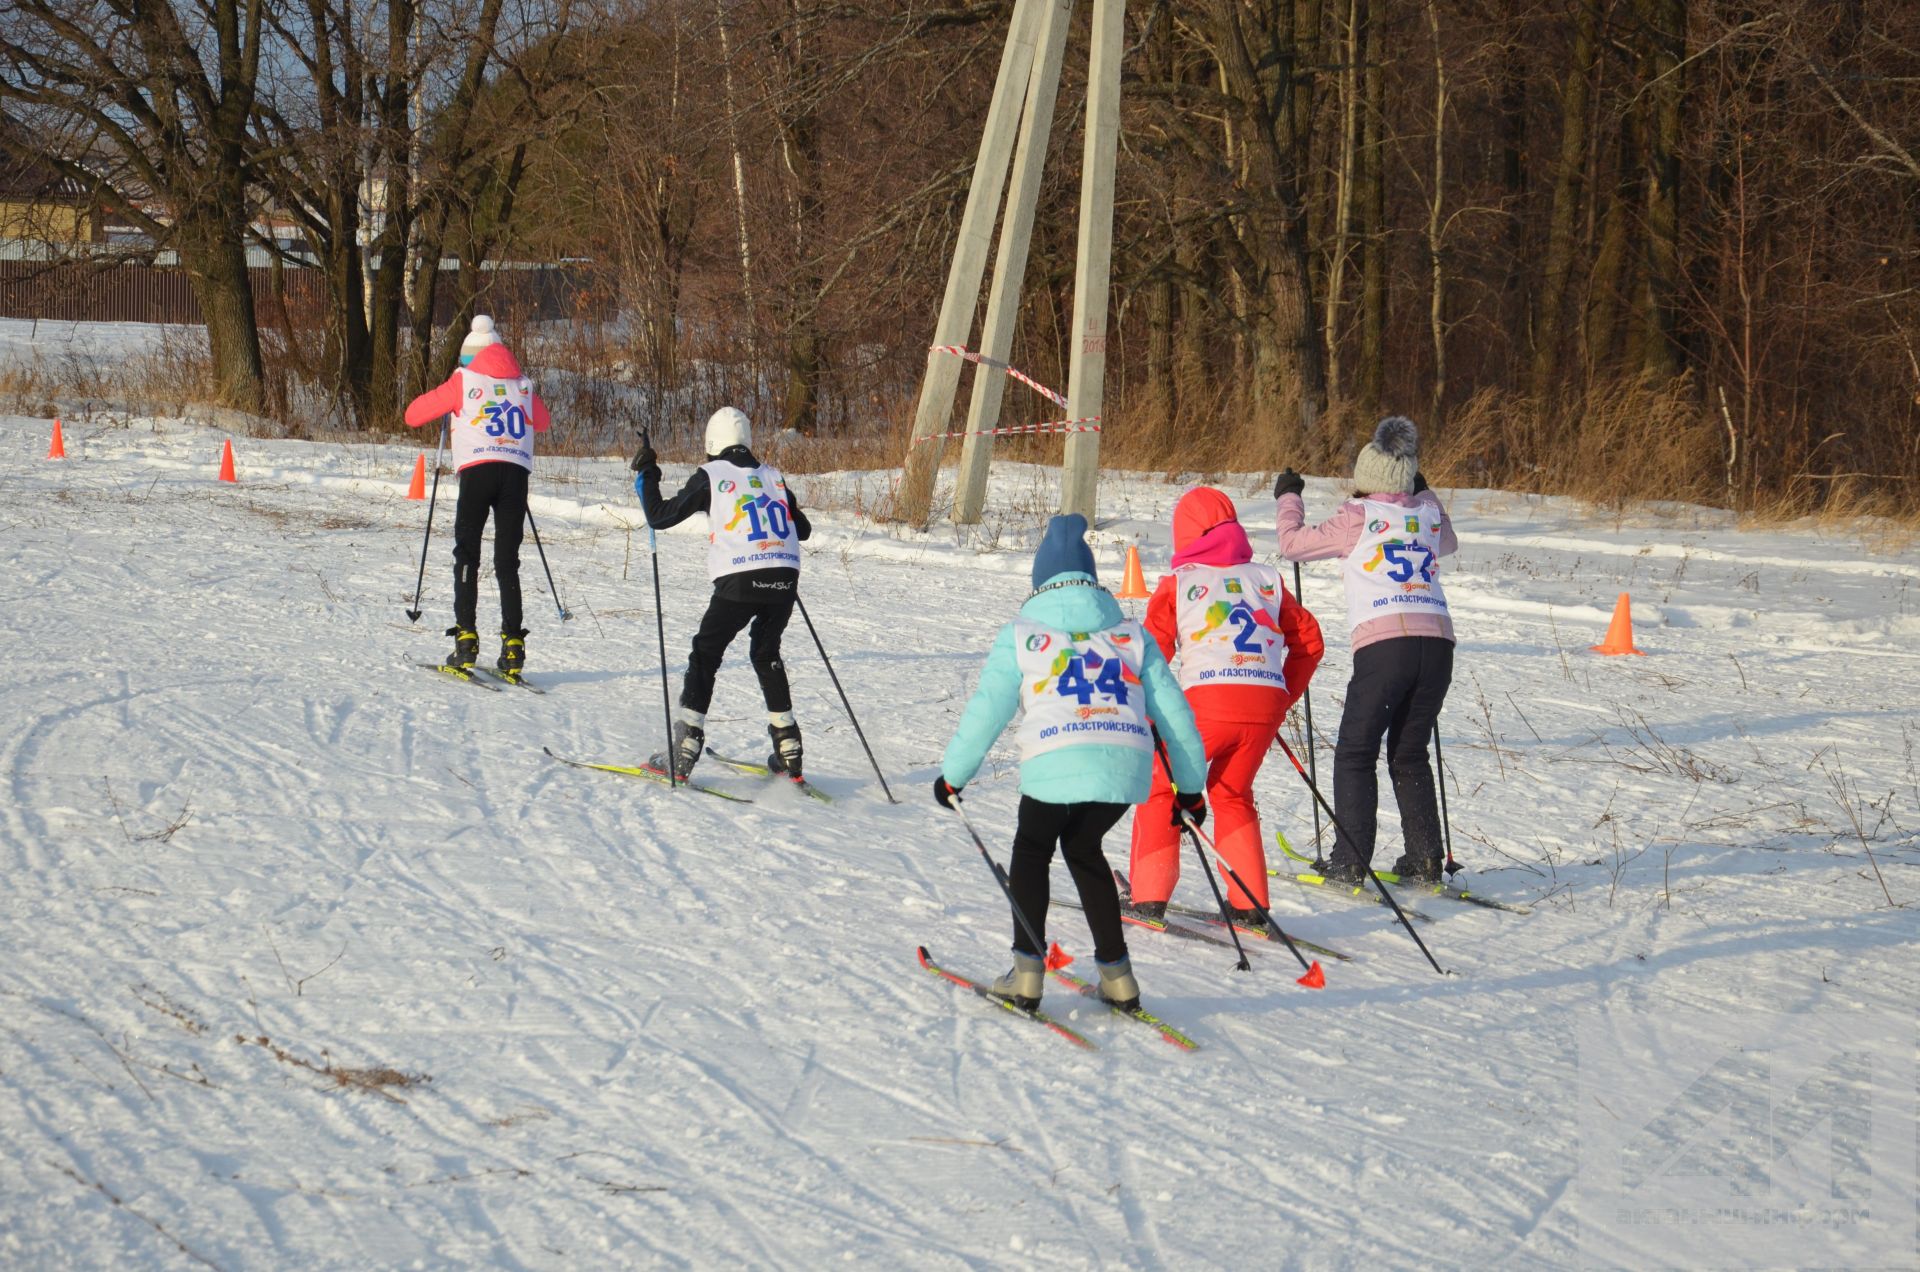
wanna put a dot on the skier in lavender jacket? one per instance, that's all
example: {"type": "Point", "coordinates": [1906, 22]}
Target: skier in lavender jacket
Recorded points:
{"type": "Point", "coordinates": [1389, 538]}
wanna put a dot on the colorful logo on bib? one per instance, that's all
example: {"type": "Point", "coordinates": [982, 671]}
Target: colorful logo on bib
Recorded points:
{"type": "Point", "coordinates": [755, 483]}
{"type": "Point", "coordinates": [1243, 618]}
{"type": "Point", "coordinates": [1413, 525]}
{"type": "Point", "coordinates": [476, 394]}
{"type": "Point", "coordinates": [1038, 642]}
{"type": "Point", "coordinates": [1376, 526]}
{"type": "Point", "coordinates": [1266, 589]}
{"type": "Point", "coordinates": [1233, 587]}
{"type": "Point", "coordinates": [727, 488]}
{"type": "Point", "coordinates": [1197, 591]}
{"type": "Point", "coordinates": [499, 390]}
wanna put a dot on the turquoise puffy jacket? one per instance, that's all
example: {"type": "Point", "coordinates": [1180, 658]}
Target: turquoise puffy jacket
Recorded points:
{"type": "Point", "coordinates": [1087, 772]}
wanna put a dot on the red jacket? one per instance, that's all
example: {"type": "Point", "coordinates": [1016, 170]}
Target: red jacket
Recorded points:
{"type": "Point", "coordinates": [495, 360]}
{"type": "Point", "coordinates": [1206, 528]}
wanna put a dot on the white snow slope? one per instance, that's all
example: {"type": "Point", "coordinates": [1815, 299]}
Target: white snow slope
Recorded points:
{"type": "Point", "coordinates": [251, 860]}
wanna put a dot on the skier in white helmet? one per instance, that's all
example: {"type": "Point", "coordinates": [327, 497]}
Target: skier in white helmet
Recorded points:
{"type": "Point", "coordinates": [754, 531]}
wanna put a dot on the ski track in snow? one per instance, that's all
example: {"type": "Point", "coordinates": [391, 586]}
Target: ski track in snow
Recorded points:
{"type": "Point", "coordinates": [665, 1030]}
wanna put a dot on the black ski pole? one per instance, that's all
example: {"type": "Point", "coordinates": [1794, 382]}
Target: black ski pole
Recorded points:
{"type": "Point", "coordinates": [534, 526]}
{"type": "Point", "coordinates": [660, 622]}
{"type": "Point", "coordinates": [1315, 977]}
{"type": "Point", "coordinates": [1000, 877]}
{"type": "Point", "coordinates": [1313, 764]}
{"type": "Point", "coordinates": [1226, 916]}
{"type": "Point", "coordinates": [1446, 818]}
{"type": "Point", "coordinates": [413, 615]}
{"type": "Point", "coordinates": [1380, 887]}
{"type": "Point", "coordinates": [848, 705]}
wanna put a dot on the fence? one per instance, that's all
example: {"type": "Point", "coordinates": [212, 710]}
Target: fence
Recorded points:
{"type": "Point", "coordinates": [80, 292]}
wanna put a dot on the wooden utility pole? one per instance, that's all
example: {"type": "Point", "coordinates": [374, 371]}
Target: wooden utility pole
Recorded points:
{"type": "Point", "coordinates": [969, 263]}
{"type": "Point", "coordinates": [1029, 69]}
{"type": "Point", "coordinates": [1010, 263]}
{"type": "Point", "coordinates": [1086, 376]}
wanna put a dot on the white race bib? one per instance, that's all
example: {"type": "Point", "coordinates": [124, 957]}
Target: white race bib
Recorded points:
{"type": "Point", "coordinates": [1395, 567]}
{"type": "Point", "coordinates": [1229, 625]}
{"type": "Point", "coordinates": [749, 523]}
{"type": "Point", "coordinates": [1080, 688]}
{"type": "Point", "coordinates": [495, 421]}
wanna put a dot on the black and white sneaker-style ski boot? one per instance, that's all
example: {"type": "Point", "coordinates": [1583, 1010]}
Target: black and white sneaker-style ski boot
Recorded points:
{"type": "Point", "coordinates": [1418, 869]}
{"type": "Point", "coordinates": [1338, 871]}
{"type": "Point", "coordinates": [1022, 983]}
{"type": "Point", "coordinates": [1117, 985]}
{"type": "Point", "coordinates": [466, 647]}
{"type": "Point", "coordinates": [786, 757]}
{"type": "Point", "coordinates": [688, 741]}
{"type": "Point", "coordinates": [513, 652]}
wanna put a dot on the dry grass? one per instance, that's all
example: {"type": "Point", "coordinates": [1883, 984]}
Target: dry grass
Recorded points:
{"type": "Point", "coordinates": [1619, 444]}
{"type": "Point", "coordinates": [374, 1079]}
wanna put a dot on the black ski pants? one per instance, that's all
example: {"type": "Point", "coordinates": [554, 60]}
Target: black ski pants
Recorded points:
{"type": "Point", "coordinates": [724, 620]}
{"type": "Point", "coordinates": [1397, 690]}
{"type": "Point", "coordinates": [1076, 829]}
{"type": "Point", "coordinates": [499, 488]}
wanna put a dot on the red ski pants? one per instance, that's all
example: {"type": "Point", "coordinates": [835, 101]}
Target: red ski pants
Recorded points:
{"type": "Point", "coordinates": [1235, 751]}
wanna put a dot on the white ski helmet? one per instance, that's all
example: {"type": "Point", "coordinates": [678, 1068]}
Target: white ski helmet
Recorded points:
{"type": "Point", "coordinates": [726, 427]}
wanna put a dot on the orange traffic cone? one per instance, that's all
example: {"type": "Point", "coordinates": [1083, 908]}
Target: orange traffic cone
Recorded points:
{"type": "Point", "coordinates": [1620, 632]}
{"type": "Point", "coordinates": [1133, 584]}
{"type": "Point", "coordinates": [418, 490]}
{"type": "Point", "coordinates": [58, 448]}
{"type": "Point", "coordinates": [226, 462]}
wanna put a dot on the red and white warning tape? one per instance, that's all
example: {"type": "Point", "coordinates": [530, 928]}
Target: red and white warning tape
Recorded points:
{"type": "Point", "coordinates": [1086, 424]}
{"type": "Point", "coordinates": [982, 359]}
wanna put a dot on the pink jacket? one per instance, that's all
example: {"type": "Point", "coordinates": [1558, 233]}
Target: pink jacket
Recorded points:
{"type": "Point", "coordinates": [1336, 536]}
{"type": "Point", "coordinates": [494, 360]}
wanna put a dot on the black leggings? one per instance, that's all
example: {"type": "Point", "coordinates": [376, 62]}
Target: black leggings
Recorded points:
{"type": "Point", "coordinates": [723, 621]}
{"type": "Point", "coordinates": [501, 488]}
{"type": "Point", "coordinates": [1397, 689]}
{"type": "Point", "coordinates": [1077, 829]}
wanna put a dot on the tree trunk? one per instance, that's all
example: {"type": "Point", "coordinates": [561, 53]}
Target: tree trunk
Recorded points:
{"type": "Point", "coordinates": [1272, 231]}
{"type": "Point", "coordinates": [1664, 25]}
{"type": "Point", "coordinates": [1371, 197]}
{"type": "Point", "coordinates": [1568, 178]}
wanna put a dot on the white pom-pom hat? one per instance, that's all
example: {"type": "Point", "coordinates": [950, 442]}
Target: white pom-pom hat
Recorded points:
{"type": "Point", "coordinates": [478, 337]}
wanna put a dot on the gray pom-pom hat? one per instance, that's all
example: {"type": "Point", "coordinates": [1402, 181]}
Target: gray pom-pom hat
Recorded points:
{"type": "Point", "coordinates": [1389, 463]}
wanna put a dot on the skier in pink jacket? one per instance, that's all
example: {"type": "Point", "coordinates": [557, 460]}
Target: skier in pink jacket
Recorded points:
{"type": "Point", "coordinates": [1389, 538]}
{"type": "Point", "coordinates": [494, 415]}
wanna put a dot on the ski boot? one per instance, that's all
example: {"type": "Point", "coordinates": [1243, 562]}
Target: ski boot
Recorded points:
{"type": "Point", "coordinates": [1155, 910]}
{"type": "Point", "coordinates": [786, 755]}
{"type": "Point", "coordinates": [466, 648]}
{"type": "Point", "coordinates": [1247, 918]}
{"type": "Point", "coordinates": [513, 653]}
{"type": "Point", "coordinates": [1022, 983]}
{"type": "Point", "coordinates": [1418, 869]}
{"type": "Point", "coordinates": [689, 740]}
{"type": "Point", "coordinates": [1340, 872]}
{"type": "Point", "coordinates": [1117, 985]}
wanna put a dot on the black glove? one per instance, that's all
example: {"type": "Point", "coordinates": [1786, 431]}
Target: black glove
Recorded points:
{"type": "Point", "coordinates": [1419, 482]}
{"type": "Point", "coordinates": [1192, 805]}
{"type": "Point", "coordinates": [943, 794]}
{"type": "Point", "coordinates": [1288, 483]}
{"type": "Point", "coordinates": [644, 458]}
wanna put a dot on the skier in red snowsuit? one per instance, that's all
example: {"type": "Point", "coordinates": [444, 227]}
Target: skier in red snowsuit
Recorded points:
{"type": "Point", "coordinates": [1247, 649]}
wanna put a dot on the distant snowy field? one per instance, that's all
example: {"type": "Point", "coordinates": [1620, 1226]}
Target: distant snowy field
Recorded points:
{"type": "Point", "coordinates": [252, 862]}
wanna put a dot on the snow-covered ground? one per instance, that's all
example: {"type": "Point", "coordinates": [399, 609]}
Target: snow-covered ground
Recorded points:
{"type": "Point", "coordinates": [313, 960]}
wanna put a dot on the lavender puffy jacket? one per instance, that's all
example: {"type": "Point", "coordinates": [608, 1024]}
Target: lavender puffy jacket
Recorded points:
{"type": "Point", "coordinates": [1336, 536]}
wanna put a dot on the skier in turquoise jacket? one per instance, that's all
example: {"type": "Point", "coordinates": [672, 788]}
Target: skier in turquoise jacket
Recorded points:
{"type": "Point", "coordinates": [1091, 689]}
